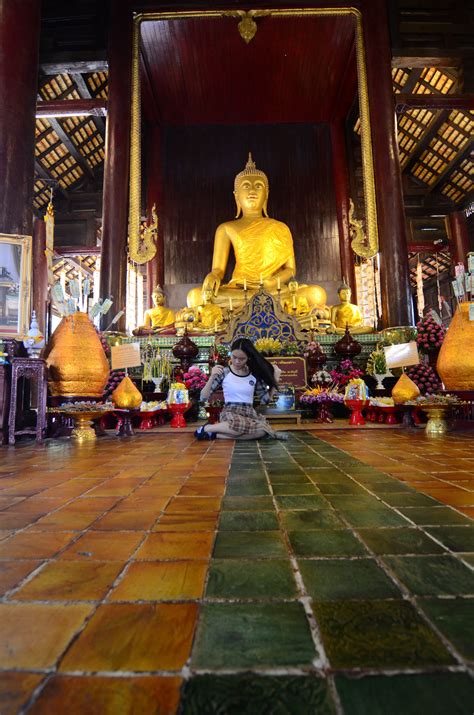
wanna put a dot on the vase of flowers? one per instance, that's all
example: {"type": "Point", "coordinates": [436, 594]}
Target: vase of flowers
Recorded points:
{"type": "Point", "coordinates": [430, 337]}
{"type": "Point", "coordinates": [194, 379]}
{"type": "Point", "coordinates": [377, 367]}
{"type": "Point", "coordinates": [268, 346]}
{"type": "Point", "coordinates": [320, 402]}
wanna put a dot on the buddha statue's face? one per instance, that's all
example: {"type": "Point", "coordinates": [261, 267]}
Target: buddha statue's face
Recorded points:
{"type": "Point", "coordinates": [293, 286]}
{"type": "Point", "coordinates": [158, 299]}
{"type": "Point", "coordinates": [251, 194]}
{"type": "Point", "coordinates": [345, 295]}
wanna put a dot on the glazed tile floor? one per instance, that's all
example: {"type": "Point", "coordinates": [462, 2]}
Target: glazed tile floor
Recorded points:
{"type": "Point", "coordinates": [331, 575]}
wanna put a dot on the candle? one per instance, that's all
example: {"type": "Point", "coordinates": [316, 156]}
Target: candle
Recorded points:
{"type": "Point", "coordinates": [294, 301]}
{"type": "Point", "coordinates": [230, 303]}
{"type": "Point", "coordinates": [278, 284]}
{"type": "Point", "coordinates": [245, 284]}
{"type": "Point", "coordinates": [215, 326]}
{"type": "Point", "coordinates": [312, 323]}
{"type": "Point", "coordinates": [261, 279]}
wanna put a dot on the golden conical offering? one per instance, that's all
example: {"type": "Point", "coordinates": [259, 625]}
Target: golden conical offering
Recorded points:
{"type": "Point", "coordinates": [455, 363]}
{"type": "Point", "coordinates": [126, 396]}
{"type": "Point", "coordinates": [77, 366]}
{"type": "Point", "coordinates": [404, 390]}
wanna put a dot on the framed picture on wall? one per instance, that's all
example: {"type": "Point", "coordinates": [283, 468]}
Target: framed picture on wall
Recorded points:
{"type": "Point", "coordinates": [15, 285]}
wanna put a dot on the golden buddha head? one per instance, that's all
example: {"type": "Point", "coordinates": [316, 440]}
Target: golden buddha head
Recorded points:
{"type": "Point", "coordinates": [251, 189]}
{"type": "Point", "coordinates": [158, 296]}
{"type": "Point", "coordinates": [293, 285]}
{"type": "Point", "coordinates": [344, 291]}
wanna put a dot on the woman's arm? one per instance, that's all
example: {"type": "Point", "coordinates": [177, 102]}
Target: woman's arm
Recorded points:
{"type": "Point", "coordinates": [211, 386]}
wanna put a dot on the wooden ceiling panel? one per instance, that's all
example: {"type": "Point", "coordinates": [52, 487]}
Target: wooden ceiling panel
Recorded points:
{"type": "Point", "coordinates": [294, 70]}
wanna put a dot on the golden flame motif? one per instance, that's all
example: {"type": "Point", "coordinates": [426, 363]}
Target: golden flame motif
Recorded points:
{"type": "Point", "coordinates": [126, 396]}
{"type": "Point", "coordinates": [77, 365]}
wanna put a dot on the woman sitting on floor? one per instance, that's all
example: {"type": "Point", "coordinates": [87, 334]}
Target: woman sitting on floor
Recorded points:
{"type": "Point", "coordinates": [247, 376]}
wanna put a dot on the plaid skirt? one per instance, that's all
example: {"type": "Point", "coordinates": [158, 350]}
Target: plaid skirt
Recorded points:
{"type": "Point", "coordinates": [242, 418]}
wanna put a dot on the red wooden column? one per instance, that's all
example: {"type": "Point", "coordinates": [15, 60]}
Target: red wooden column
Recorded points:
{"type": "Point", "coordinates": [155, 269]}
{"type": "Point", "coordinates": [456, 225]}
{"type": "Point", "coordinates": [397, 306]}
{"type": "Point", "coordinates": [341, 187]}
{"type": "Point", "coordinates": [113, 272]}
{"type": "Point", "coordinates": [19, 42]}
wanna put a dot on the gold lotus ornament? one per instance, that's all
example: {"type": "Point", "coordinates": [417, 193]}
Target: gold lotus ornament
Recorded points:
{"type": "Point", "coordinates": [126, 396]}
{"type": "Point", "coordinates": [77, 365]}
{"type": "Point", "coordinates": [404, 390]}
{"type": "Point", "coordinates": [455, 363]}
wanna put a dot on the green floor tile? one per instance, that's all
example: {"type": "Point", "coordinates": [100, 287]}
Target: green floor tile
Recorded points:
{"type": "Point", "coordinates": [380, 634]}
{"type": "Point", "coordinates": [354, 501]}
{"type": "Point", "coordinates": [427, 694]}
{"type": "Point", "coordinates": [248, 521]}
{"type": "Point", "coordinates": [307, 520]}
{"type": "Point", "coordinates": [242, 488]}
{"type": "Point", "coordinates": [387, 487]}
{"type": "Point", "coordinates": [369, 478]}
{"type": "Point", "coordinates": [432, 575]}
{"type": "Point", "coordinates": [250, 694]}
{"type": "Point", "coordinates": [436, 515]}
{"type": "Point", "coordinates": [454, 617]}
{"type": "Point", "coordinates": [327, 542]}
{"type": "Point", "coordinates": [310, 501]}
{"type": "Point", "coordinates": [399, 541]}
{"type": "Point", "coordinates": [307, 488]}
{"type": "Point", "coordinates": [456, 538]}
{"type": "Point", "coordinates": [336, 580]}
{"type": "Point", "coordinates": [247, 504]}
{"type": "Point", "coordinates": [242, 544]}
{"type": "Point", "coordinates": [372, 517]}
{"type": "Point", "coordinates": [319, 476]}
{"type": "Point", "coordinates": [408, 499]}
{"type": "Point", "coordinates": [237, 635]}
{"type": "Point", "coordinates": [346, 487]}
{"type": "Point", "coordinates": [288, 478]}
{"type": "Point", "coordinates": [250, 579]}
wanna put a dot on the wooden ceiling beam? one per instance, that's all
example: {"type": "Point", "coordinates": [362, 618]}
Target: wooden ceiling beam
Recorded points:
{"type": "Point", "coordinates": [72, 149]}
{"type": "Point", "coordinates": [84, 91]}
{"type": "Point", "coordinates": [41, 173]}
{"type": "Point", "coordinates": [423, 144]}
{"type": "Point", "coordinates": [433, 101]}
{"type": "Point", "coordinates": [65, 65]}
{"type": "Point", "coordinates": [420, 61]}
{"type": "Point", "coordinates": [71, 107]}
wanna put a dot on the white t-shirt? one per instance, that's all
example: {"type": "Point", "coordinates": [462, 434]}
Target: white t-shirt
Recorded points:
{"type": "Point", "coordinates": [239, 388]}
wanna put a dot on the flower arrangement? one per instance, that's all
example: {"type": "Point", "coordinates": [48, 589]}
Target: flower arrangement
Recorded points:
{"type": "Point", "coordinates": [268, 346]}
{"type": "Point", "coordinates": [115, 378]}
{"type": "Point", "coordinates": [322, 378]}
{"type": "Point", "coordinates": [424, 377]}
{"type": "Point", "coordinates": [290, 348]}
{"type": "Point", "coordinates": [195, 379]}
{"type": "Point", "coordinates": [345, 372]}
{"type": "Point", "coordinates": [312, 350]}
{"type": "Point", "coordinates": [317, 395]}
{"type": "Point", "coordinates": [221, 354]}
{"type": "Point", "coordinates": [430, 334]}
{"type": "Point", "coordinates": [376, 363]}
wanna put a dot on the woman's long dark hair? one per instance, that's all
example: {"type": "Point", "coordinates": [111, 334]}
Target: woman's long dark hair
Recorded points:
{"type": "Point", "coordinates": [258, 365]}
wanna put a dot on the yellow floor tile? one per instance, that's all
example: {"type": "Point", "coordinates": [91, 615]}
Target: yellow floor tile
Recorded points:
{"type": "Point", "coordinates": [176, 545]}
{"type": "Point", "coordinates": [161, 581]}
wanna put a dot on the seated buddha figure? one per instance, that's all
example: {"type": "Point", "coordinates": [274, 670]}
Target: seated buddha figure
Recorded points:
{"type": "Point", "coordinates": [157, 318]}
{"type": "Point", "coordinates": [263, 249]}
{"type": "Point", "coordinates": [203, 318]}
{"type": "Point", "coordinates": [347, 314]}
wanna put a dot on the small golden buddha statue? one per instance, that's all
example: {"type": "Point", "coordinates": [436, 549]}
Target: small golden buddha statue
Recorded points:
{"type": "Point", "coordinates": [295, 304]}
{"type": "Point", "coordinates": [203, 318]}
{"type": "Point", "coordinates": [263, 248]}
{"type": "Point", "coordinates": [157, 318]}
{"type": "Point", "coordinates": [347, 314]}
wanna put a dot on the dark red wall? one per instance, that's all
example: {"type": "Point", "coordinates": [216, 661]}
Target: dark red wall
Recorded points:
{"type": "Point", "coordinates": [199, 166]}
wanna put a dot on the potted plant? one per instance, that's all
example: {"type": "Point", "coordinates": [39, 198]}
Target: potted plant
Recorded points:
{"type": "Point", "coordinates": [377, 367]}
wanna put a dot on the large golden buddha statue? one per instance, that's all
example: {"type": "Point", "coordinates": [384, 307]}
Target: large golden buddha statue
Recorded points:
{"type": "Point", "coordinates": [205, 317]}
{"type": "Point", "coordinates": [347, 314]}
{"type": "Point", "coordinates": [157, 318]}
{"type": "Point", "coordinates": [263, 249]}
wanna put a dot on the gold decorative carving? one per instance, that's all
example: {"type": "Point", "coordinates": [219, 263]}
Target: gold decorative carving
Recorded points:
{"type": "Point", "coordinates": [247, 26]}
{"type": "Point", "coordinates": [359, 242]}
